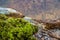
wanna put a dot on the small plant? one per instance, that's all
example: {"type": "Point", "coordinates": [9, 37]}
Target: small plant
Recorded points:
{"type": "Point", "coordinates": [16, 29]}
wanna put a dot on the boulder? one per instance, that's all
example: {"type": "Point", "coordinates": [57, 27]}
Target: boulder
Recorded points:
{"type": "Point", "coordinates": [10, 12]}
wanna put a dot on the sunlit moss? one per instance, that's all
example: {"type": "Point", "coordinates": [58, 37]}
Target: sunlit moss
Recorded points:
{"type": "Point", "coordinates": [16, 29]}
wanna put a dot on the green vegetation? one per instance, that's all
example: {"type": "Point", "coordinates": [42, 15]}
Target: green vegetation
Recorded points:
{"type": "Point", "coordinates": [16, 29]}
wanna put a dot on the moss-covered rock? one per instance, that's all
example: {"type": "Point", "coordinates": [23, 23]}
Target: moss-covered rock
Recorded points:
{"type": "Point", "coordinates": [16, 29]}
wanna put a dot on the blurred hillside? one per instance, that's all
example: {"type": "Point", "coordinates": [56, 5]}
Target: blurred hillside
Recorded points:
{"type": "Point", "coordinates": [40, 9]}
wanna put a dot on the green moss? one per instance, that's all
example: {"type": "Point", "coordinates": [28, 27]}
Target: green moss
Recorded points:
{"type": "Point", "coordinates": [16, 29]}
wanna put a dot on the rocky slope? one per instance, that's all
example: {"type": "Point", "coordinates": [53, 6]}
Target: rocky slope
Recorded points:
{"type": "Point", "coordinates": [47, 30]}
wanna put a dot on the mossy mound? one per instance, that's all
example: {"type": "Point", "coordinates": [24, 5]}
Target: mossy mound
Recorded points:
{"type": "Point", "coordinates": [16, 29]}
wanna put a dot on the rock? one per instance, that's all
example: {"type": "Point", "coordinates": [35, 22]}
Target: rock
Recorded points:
{"type": "Point", "coordinates": [50, 24]}
{"type": "Point", "coordinates": [10, 12]}
{"type": "Point", "coordinates": [31, 20]}
{"type": "Point", "coordinates": [48, 35]}
{"type": "Point", "coordinates": [55, 33]}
